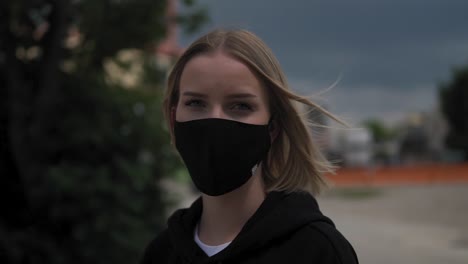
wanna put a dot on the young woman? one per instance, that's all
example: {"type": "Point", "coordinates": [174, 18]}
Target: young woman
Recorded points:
{"type": "Point", "coordinates": [249, 151]}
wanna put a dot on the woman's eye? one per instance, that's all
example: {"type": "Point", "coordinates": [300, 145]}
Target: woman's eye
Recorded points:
{"type": "Point", "coordinates": [194, 103]}
{"type": "Point", "coordinates": [242, 107]}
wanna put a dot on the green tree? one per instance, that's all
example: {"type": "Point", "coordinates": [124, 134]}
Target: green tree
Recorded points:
{"type": "Point", "coordinates": [380, 132]}
{"type": "Point", "coordinates": [80, 156]}
{"type": "Point", "coordinates": [380, 135]}
{"type": "Point", "coordinates": [453, 97]}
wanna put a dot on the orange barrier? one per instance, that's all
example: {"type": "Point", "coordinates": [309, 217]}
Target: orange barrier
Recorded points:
{"type": "Point", "coordinates": [414, 174]}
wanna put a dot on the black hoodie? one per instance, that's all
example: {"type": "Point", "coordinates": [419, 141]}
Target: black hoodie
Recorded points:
{"type": "Point", "coordinates": [286, 228]}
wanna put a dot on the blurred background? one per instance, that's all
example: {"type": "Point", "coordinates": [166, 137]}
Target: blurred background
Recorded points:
{"type": "Point", "coordinates": [88, 173]}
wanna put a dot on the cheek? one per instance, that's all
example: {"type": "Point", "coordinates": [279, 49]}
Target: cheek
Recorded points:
{"type": "Point", "coordinates": [177, 111]}
{"type": "Point", "coordinates": [266, 111]}
{"type": "Point", "coordinates": [260, 117]}
{"type": "Point", "coordinates": [182, 113]}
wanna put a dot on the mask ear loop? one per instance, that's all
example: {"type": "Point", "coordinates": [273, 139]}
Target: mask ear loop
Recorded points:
{"type": "Point", "coordinates": [270, 121]}
{"type": "Point", "coordinates": [270, 129]}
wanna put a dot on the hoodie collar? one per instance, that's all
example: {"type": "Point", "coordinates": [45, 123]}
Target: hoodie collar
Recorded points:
{"type": "Point", "coordinates": [280, 215]}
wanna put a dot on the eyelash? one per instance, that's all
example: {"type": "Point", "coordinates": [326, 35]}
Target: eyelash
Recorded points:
{"type": "Point", "coordinates": [245, 107]}
{"type": "Point", "coordinates": [190, 102]}
{"type": "Point", "coordinates": [200, 103]}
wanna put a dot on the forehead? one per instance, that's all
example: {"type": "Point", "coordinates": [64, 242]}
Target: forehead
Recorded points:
{"type": "Point", "coordinates": [218, 72]}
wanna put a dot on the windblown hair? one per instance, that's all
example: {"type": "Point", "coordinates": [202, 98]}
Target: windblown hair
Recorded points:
{"type": "Point", "coordinates": [294, 162]}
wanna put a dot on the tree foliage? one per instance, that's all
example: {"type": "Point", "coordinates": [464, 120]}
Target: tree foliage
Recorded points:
{"type": "Point", "coordinates": [380, 132]}
{"type": "Point", "coordinates": [453, 97]}
{"type": "Point", "coordinates": [80, 156]}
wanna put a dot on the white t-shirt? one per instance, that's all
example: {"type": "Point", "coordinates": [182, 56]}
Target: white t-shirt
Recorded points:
{"type": "Point", "coordinates": [209, 250]}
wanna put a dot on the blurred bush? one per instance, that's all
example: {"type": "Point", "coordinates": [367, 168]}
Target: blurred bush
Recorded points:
{"type": "Point", "coordinates": [80, 155]}
{"type": "Point", "coordinates": [104, 149]}
{"type": "Point", "coordinates": [453, 97]}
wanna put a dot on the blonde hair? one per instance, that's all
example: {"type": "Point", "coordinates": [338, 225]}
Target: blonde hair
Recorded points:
{"type": "Point", "coordinates": [294, 162]}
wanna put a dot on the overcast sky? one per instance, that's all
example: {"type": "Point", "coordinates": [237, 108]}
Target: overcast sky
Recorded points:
{"type": "Point", "coordinates": [390, 54]}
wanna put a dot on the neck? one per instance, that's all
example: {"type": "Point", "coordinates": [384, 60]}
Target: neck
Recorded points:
{"type": "Point", "coordinates": [224, 216]}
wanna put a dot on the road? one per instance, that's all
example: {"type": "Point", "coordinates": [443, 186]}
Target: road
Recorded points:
{"type": "Point", "coordinates": [410, 224]}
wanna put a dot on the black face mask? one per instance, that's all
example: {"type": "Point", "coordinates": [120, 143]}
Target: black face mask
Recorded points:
{"type": "Point", "coordinates": [221, 155]}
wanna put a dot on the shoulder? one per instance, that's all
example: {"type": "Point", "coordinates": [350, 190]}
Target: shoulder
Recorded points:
{"type": "Point", "coordinates": [157, 250]}
{"type": "Point", "coordinates": [329, 245]}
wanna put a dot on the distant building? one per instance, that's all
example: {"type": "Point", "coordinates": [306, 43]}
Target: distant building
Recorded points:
{"type": "Point", "coordinates": [422, 137]}
{"type": "Point", "coordinates": [356, 147]}
{"type": "Point", "coordinates": [168, 50]}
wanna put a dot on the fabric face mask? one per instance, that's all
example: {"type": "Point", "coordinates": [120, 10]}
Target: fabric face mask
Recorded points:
{"type": "Point", "coordinates": [221, 155]}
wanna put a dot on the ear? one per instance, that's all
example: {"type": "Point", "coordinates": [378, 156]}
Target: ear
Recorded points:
{"type": "Point", "coordinates": [274, 129]}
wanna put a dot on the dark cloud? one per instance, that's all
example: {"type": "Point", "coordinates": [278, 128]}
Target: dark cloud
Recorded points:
{"type": "Point", "coordinates": [395, 46]}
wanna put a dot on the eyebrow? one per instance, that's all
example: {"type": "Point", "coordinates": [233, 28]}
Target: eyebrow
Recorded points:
{"type": "Point", "coordinates": [237, 95]}
{"type": "Point", "coordinates": [194, 94]}
{"type": "Point", "coordinates": [242, 95]}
